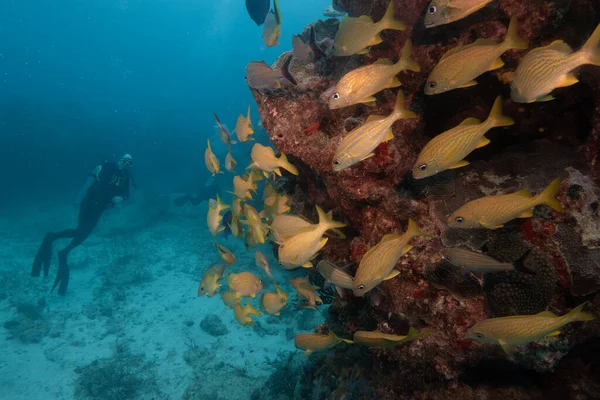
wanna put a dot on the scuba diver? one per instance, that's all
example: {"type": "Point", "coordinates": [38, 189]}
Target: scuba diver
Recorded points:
{"type": "Point", "coordinates": [107, 186]}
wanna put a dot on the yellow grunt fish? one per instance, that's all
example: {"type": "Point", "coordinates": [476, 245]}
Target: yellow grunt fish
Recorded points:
{"type": "Point", "coordinates": [229, 299]}
{"type": "Point", "coordinates": [298, 250]}
{"type": "Point", "coordinates": [385, 340]}
{"type": "Point", "coordinates": [441, 12]}
{"type": "Point", "coordinates": [210, 281]}
{"type": "Point", "coordinates": [378, 263]}
{"type": "Point", "coordinates": [212, 162]}
{"type": "Point", "coordinates": [225, 254]}
{"type": "Point", "coordinates": [243, 187]}
{"type": "Point", "coordinates": [359, 85]}
{"type": "Point", "coordinates": [316, 342]}
{"type": "Point", "coordinates": [245, 284]}
{"type": "Point", "coordinates": [262, 263]}
{"type": "Point", "coordinates": [214, 217]}
{"type": "Point", "coordinates": [264, 158]}
{"type": "Point", "coordinates": [459, 67]}
{"type": "Point", "coordinates": [256, 229]}
{"type": "Point", "coordinates": [335, 275]}
{"type": "Point", "coordinates": [473, 261]}
{"type": "Point", "coordinates": [285, 226]}
{"type": "Point", "coordinates": [236, 227]}
{"type": "Point", "coordinates": [243, 127]}
{"type": "Point", "coordinates": [275, 205]}
{"type": "Point", "coordinates": [236, 206]}
{"type": "Point", "coordinates": [355, 35]}
{"type": "Point", "coordinates": [520, 329]}
{"type": "Point", "coordinates": [230, 162]}
{"type": "Point", "coordinates": [272, 303]}
{"type": "Point", "coordinates": [272, 26]}
{"type": "Point", "coordinates": [242, 314]}
{"type": "Point", "coordinates": [306, 291]}
{"type": "Point", "coordinates": [547, 68]}
{"type": "Point", "coordinates": [492, 212]}
{"type": "Point", "coordinates": [361, 142]}
{"type": "Point", "coordinates": [448, 150]}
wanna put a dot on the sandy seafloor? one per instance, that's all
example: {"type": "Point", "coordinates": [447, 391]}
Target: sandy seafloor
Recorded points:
{"type": "Point", "coordinates": [134, 283]}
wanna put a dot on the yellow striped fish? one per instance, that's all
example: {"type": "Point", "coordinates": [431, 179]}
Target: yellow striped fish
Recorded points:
{"type": "Point", "coordinates": [378, 263]}
{"type": "Point", "coordinates": [298, 250]}
{"type": "Point", "coordinates": [243, 127]}
{"type": "Point", "coordinates": [230, 162]}
{"type": "Point", "coordinates": [214, 217]}
{"type": "Point", "coordinates": [236, 206]}
{"type": "Point", "coordinates": [225, 254]}
{"type": "Point", "coordinates": [243, 187]}
{"type": "Point", "coordinates": [285, 226]}
{"type": "Point", "coordinates": [459, 67]}
{"type": "Point", "coordinates": [210, 280]}
{"type": "Point", "coordinates": [547, 68]}
{"type": "Point", "coordinates": [211, 161]}
{"type": "Point", "coordinates": [473, 261]}
{"type": "Point", "coordinates": [355, 35]}
{"type": "Point", "coordinates": [242, 314]}
{"type": "Point", "coordinates": [236, 226]}
{"type": "Point", "coordinates": [382, 340]}
{"type": "Point", "coordinates": [272, 303]}
{"type": "Point", "coordinates": [359, 85]}
{"type": "Point", "coordinates": [305, 291]}
{"type": "Point", "coordinates": [256, 228]}
{"type": "Point", "coordinates": [316, 342]}
{"type": "Point", "coordinates": [271, 27]}
{"type": "Point", "coordinates": [492, 212]}
{"type": "Point", "coordinates": [264, 158]}
{"type": "Point", "coordinates": [262, 263]}
{"type": "Point", "coordinates": [441, 12]}
{"type": "Point", "coordinates": [520, 329]}
{"type": "Point", "coordinates": [335, 275]}
{"type": "Point", "coordinates": [448, 150]}
{"type": "Point", "coordinates": [275, 205]}
{"type": "Point", "coordinates": [229, 299]}
{"type": "Point", "coordinates": [360, 143]}
{"type": "Point", "coordinates": [245, 284]}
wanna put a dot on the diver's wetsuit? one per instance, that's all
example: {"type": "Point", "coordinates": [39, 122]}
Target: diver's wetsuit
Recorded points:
{"type": "Point", "coordinates": [109, 182]}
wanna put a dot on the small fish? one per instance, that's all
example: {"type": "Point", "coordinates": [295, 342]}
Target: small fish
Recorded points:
{"type": "Point", "coordinates": [521, 329]}
{"type": "Point", "coordinates": [378, 263]}
{"type": "Point", "coordinates": [332, 12]}
{"type": "Point", "coordinates": [226, 222]}
{"type": "Point", "coordinates": [473, 261]}
{"type": "Point", "coordinates": [285, 226]}
{"type": "Point", "coordinates": [236, 206]}
{"type": "Point", "coordinates": [492, 212]}
{"type": "Point", "coordinates": [225, 254]}
{"type": "Point", "coordinates": [356, 35]}
{"type": "Point", "coordinates": [212, 162]}
{"type": "Point", "coordinates": [236, 227]}
{"type": "Point", "coordinates": [272, 26]}
{"type": "Point", "coordinates": [260, 76]}
{"type": "Point", "coordinates": [213, 217]}
{"type": "Point", "coordinates": [547, 68]}
{"type": "Point", "coordinates": [230, 162]}
{"type": "Point", "coordinates": [272, 303]}
{"type": "Point", "coordinates": [306, 291]}
{"type": "Point", "coordinates": [273, 206]}
{"type": "Point", "coordinates": [448, 150]}
{"type": "Point", "coordinates": [249, 241]}
{"type": "Point", "coordinates": [245, 284]}
{"type": "Point", "coordinates": [361, 142]}
{"type": "Point", "coordinates": [441, 12]}
{"type": "Point", "coordinates": [382, 340]}
{"type": "Point", "coordinates": [359, 85]}
{"type": "Point", "coordinates": [298, 250]}
{"type": "Point", "coordinates": [243, 127]}
{"type": "Point", "coordinates": [335, 275]}
{"type": "Point", "coordinates": [264, 158]}
{"type": "Point", "coordinates": [262, 263]}
{"type": "Point", "coordinates": [256, 229]}
{"type": "Point", "coordinates": [223, 132]}
{"type": "Point", "coordinates": [316, 342]}
{"type": "Point", "coordinates": [258, 10]}
{"type": "Point", "coordinates": [459, 67]}
{"type": "Point", "coordinates": [242, 314]}
{"type": "Point", "coordinates": [210, 281]}
{"type": "Point", "coordinates": [229, 299]}
{"type": "Point", "coordinates": [243, 187]}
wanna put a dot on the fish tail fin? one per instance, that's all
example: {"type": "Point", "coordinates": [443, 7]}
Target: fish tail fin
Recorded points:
{"type": "Point", "coordinates": [208, 141]}
{"type": "Point", "coordinates": [285, 71]}
{"type": "Point", "coordinates": [222, 205]}
{"type": "Point", "coordinates": [406, 62]}
{"type": "Point", "coordinates": [577, 315]}
{"type": "Point", "coordinates": [285, 164]}
{"type": "Point", "coordinates": [389, 22]}
{"type": "Point", "coordinates": [548, 196]}
{"type": "Point", "coordinates": [251, 310]}
{"type": "Point", "coordinates": [413, 229]}
{"type": "Point", "coordinates": [496, 119]}
{"type": "Point", "coordinates": [400, 109]}
{"type": "Point", "coordinates": [248, 117]}
{"type": "Point", "coordinates": [591, 49]}
{"type": "Point", "coordinates": [513, 40]}
{"type": "Point", "coordinates": [325, 219]}
{"type": "Point", "coordinates": [339, 339]}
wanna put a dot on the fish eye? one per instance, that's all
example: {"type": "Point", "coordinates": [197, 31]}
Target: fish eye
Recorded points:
{"type": "Point", "coordinates": [336, 96]}
{"type": "Point", "coordinates": [432, 10]}
{"type": "Point", "coordinates": [460, 220]}
{"type": "Point", "coordinates": [432, 85]}
{"type": "Point", "coordinates": [336, 162]}
{"type": "Point", "coordinates": [479, 335]}
{"type": "Point", "coordinates": [423, 167]}
{"type": "Point", "coordinates": [360, 287]}
{"type": "Point", "coordinates": [448, 258]}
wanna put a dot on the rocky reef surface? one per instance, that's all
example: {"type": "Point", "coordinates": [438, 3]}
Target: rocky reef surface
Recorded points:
{"type": "Point", "coordinates": [376, 197]}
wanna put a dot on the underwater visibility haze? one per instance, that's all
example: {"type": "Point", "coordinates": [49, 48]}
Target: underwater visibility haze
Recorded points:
{"type": "Point", "coordinates": [300, 199]}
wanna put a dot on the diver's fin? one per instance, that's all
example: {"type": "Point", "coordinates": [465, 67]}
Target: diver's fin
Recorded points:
{"type": "Point", "coordinates": [62, 275]}
{"type": "Point", "coordinates": [42, 258]}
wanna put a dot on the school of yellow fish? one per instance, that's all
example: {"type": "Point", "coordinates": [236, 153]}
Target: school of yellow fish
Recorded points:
{"type": "Point", "coordinates": [300, 240]}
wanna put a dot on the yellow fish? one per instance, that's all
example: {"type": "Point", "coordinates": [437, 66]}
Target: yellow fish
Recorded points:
{"type": "Point", "coordinates": [492, 212]}
{"type": "Point", "coordinates": [316, 342]}
{"type": "Point", "coordinates": [285, 226]}
{"type": "Point", "coordinates": [214, 217]}
{"type": "Point", "coordinates": [355, 35]}
{"type": "Point", "coordinates": [520, 329]}
{"type": "Point", "coordinates": [229, 299]}
{"type": "Point", "coordinates": [212, 162]}
{"type": "Point", "coordinates": [459, 67]}
{"type": "Point", "coordinates": [298, 250]}
{"type": "Point", "coordinates": [262, 263]}
{"type": "Point", "coordinates": [243, 187]}
{"type": "Point", "coordinates": [448, 150]}
{"type": "Point", "coordinates": [272, 303]}
{"type": "Point", "coordinates": [264, 158]}
{"type": "Point", "coordinates": [243, 127]}
{"type": "Point", "coordinates": [306, 291]}
{"type": "Point", "coordinates": [473, 261]}
{"type": "Point", "coordinates": [441, 12]}
{"type": "Point", "coordinates": [547, 68]}
{"type": "Point", "coordinates": [225, 254]}
{"type": "Point", "coordinates": [236, 227]}
{"type": "Point", "coordinates": [249, 241]}
{"type": "Point", "coordinates": [245, 284]}
{"type": "Point", "coordinates": [242, 314]}
{"type": "Point", "coordinates": [378, 263]}
{"type": "Point", "coordinates": [359, 85]}
{"type": "Point", "coordinates": [382, 340]}
{"type": "Point", "coordinates": [210, 281]}
{"type": "Point", "coordinates": [230, 161]}
{"type": "Point", "coordinates": [335, 275]}
{"type": "Point", "coordinates": [236, 207]}
{"type": "Point", "coordinates": [272, 26]}
{"type": "Point", "coordinates": [256, 229]}
{"type": "Point", "coordinates": [274, 205]}
{"type": "Point", "coordinates": [361, 142]}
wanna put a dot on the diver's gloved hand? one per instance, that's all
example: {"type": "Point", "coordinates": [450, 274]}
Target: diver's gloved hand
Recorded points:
{"type": "Point", "coordinates": [116, 201]}
{"type": "Point", "coordinates": [62, 276]}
